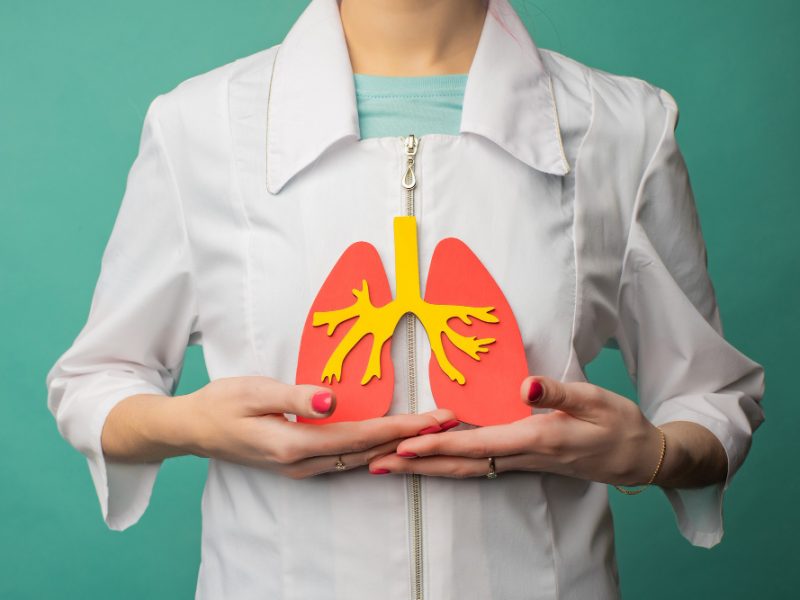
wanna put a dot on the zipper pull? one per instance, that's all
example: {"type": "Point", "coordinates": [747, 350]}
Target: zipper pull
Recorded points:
{"type": "Point", "coordinates": [409, 178]}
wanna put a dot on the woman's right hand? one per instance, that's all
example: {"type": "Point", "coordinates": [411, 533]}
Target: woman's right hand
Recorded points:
{"type": "Point", "coordinates": [241, 419]}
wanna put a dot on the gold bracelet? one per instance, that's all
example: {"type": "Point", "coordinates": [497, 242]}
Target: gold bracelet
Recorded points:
{"type": "Point", "coordinates": [658, 467]}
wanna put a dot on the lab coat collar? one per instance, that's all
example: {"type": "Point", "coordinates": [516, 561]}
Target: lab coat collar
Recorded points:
{"type": "Point", "coordinates": [508, 97]}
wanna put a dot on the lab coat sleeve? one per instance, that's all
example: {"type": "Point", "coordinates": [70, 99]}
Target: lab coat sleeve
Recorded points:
{"type": "Point", "coordinates": [670, 335]}
{"type": "Point", "coordinates": [142, 316]}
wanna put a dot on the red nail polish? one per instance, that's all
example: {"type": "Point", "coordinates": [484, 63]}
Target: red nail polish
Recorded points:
{"type": "Point", "coordinates": [450, 424]}
{"type": "Point", "coordinates": [535, 391]}
{"type": "Point", "coordinates": [431, 429]}
{"type": "Point", "coordinates": [380, 471]}
{"type": "Point", "coordinates": [321, 401]}
{"type": "Point", "coordinates": [407, 454]}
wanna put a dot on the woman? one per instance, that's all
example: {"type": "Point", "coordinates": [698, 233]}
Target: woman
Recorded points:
{"type": "Point", "coordinates": [576, 221]}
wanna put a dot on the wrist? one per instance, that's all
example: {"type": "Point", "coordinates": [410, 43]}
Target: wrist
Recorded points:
{"type": "Point", "coordinates": [166, 429]}
{"type": "Point", "coordinates": [694, 457]}
{"type": "Point", "coordinates": [654, 442]}
{"type": "Point", "coordinates": [141, 428]}
{"type": "Point", "coordinates": [675, 459]}
{"type": "Point", "coordinates": [651, 457]}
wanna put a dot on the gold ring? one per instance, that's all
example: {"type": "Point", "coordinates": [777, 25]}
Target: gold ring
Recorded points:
{"type": "Point", "coordinates": [492, 474]}
{"type": "Point", "coordinates": [340, 466]}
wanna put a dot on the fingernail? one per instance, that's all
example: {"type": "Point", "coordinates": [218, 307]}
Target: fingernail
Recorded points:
{"type": "Point", "coordinates": [450, 424]}
{"type": "Point", "coordinates": [407, 454]}
{"type": "Point", "coordinates": [431, 429]}
{"type": "Point", "coordinates": [535, 391]}
{"type": "Point", "coordinates": [321, 401]}
{"type": "Point", "coordinates": [380, 471]}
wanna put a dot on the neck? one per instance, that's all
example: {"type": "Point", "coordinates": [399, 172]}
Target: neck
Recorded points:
{"type": "Point", "coordinates": [412, 37]}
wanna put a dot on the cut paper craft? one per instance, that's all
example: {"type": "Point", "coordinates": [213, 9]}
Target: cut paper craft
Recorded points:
{"type": "Point", "coordinates": [490, 395]}
{"type": "Point", "coordinates": [347, 334]}
{"type": "Point", "coordinates": [327, 334]}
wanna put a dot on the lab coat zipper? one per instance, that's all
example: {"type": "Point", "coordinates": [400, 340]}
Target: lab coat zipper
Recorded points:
{"type": "Point", "coordinates": [413, 481]}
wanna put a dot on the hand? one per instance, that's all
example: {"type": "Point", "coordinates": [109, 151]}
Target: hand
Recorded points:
{"type": "Point", "coordinates": [240, 419]}
{"type": "Point", "coordinates": [592, 434]}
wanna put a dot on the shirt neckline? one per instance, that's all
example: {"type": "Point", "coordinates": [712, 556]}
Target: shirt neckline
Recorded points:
{"type": "Point", "coordinates": [413, 85]}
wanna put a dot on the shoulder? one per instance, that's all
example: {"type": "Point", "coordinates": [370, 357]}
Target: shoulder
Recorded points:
{"type": "Point", "coordinates": [621, 94]}
{"type": "Point", "coordinates": [199, 103]}
{"type": "Point", "coordinates": [623, 112]}
{"type": "Point", "coordinates": [623, 142]}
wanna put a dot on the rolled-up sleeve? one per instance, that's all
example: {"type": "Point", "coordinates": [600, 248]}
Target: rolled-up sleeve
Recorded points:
{"type": "Point", "coordinates": [143, 315]}
{"type": "Point", "coordinates": [670, 335]}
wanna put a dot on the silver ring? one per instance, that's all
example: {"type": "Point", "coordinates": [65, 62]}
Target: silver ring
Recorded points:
{"type": "Point", "coordinates": [340, 466]}
{"type": "Point", "coordinates": [492, 474]}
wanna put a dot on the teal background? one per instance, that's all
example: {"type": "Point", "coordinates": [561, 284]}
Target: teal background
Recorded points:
{"type": "Point", "coordinates": [75, 81]}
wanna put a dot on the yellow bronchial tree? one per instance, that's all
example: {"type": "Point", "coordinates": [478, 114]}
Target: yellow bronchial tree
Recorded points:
{"type": "Point", "coordinates": [380, 321]}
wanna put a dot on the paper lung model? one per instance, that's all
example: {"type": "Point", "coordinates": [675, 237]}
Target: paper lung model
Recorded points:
{"type": "Point", "coordinates": [477, 357]}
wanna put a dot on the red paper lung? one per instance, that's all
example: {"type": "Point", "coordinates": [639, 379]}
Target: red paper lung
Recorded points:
{"type": "Point", "coordinates": [487, 373]}
{"type": "Point", "coordinates": [354, 402]}
{"type": "Point", "coordinates": [490, 394]}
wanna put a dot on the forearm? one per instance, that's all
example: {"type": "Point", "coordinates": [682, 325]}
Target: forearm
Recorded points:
{"type": "Point", "coordinates": [143, 428]}
{"type": "Point", "coordinates": [694, 456]}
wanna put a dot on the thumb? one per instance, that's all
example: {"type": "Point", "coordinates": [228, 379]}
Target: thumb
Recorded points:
{"type": "Point", "coordinates": [311, 401]}
{"type": "Point", "coordinates": [544, 392]}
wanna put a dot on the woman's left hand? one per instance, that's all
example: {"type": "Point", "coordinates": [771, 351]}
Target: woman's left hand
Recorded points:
{"type": "Point", "coordinates": [593, 434]}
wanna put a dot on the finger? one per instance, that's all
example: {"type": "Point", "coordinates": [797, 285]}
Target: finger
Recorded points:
{"type": "Point", "coordinates": [445, 417]}
{"type": "Point", "coordinates": [317, 465]}
{"type": "Point", "coordinates": [271, 396]}
{"type": "Point", "coordinates": [581, 399]}
{"type": "Point", "coordinates": [480, 442]}
{"type": "Point", "coordinates": [451, 466]}
{"type": "Point", "coordinates": [304, 440]}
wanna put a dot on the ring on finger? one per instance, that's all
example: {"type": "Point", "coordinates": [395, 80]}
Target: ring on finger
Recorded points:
{"type": "Point", "coordinates": [340, 466]}
{"type": "Point", "coordinates": [492, 474]}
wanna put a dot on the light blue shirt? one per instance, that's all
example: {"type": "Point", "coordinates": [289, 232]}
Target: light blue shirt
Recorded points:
{"type": "Point", "coordinates": [394, 105]}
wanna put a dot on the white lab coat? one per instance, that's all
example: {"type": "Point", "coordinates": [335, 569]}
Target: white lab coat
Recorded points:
{"type": "Point", "coordinates": [251, 180]}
